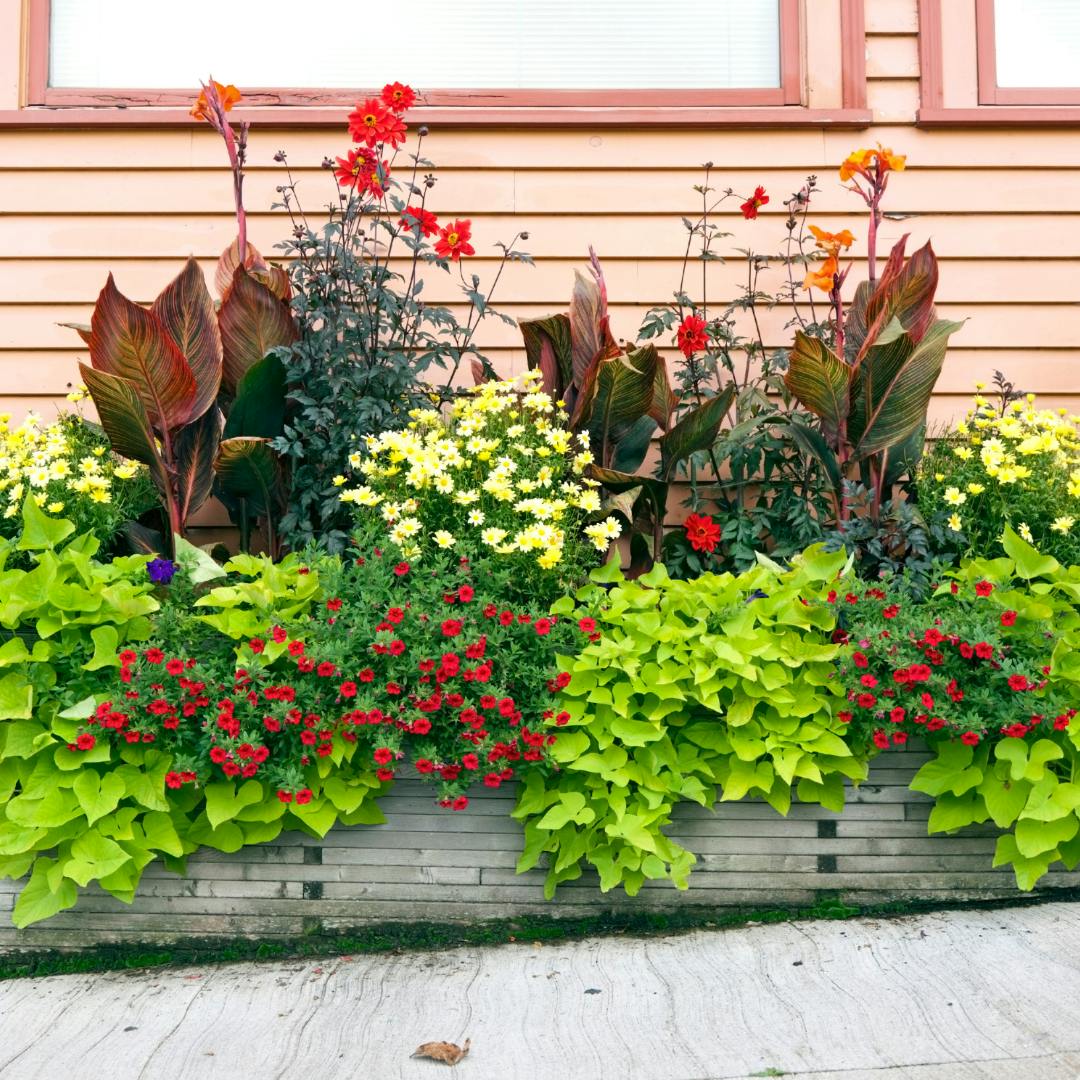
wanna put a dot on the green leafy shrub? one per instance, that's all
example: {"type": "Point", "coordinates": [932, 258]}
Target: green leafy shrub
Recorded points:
{"type": "Point", "coordinates": [724, 681]}
{"type": "Point", "coordinates": [66, 616]}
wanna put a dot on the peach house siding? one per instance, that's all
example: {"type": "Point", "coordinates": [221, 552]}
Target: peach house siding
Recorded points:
{"type": "Point", "coordinates": [1002, 206]}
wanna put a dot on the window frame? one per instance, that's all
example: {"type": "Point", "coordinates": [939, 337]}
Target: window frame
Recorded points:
{"type": "Point", "coordinates": [963, 92]}
{"type": "Point", "coordinates": [770, 106]}
{"type": "Point", "coordinates": [989, 91]}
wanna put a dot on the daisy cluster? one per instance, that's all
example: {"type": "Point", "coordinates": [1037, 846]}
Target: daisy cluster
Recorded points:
{"type": "Point", "coordinates": [501, 474]}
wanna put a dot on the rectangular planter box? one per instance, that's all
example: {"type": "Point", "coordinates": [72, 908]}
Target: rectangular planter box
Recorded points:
{"type": "Point", "coordinates": [430, 864]}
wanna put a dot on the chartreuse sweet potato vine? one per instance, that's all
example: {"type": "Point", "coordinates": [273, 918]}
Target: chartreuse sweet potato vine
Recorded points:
{"type": "Point", "coordinates": [724, 682]}
{"type": "Point", "coordinates": [72, 815]}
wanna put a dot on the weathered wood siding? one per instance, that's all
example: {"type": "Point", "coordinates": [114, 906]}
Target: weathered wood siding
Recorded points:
{"type": "Point", "coordinates": [1002, 207]}
{"type": "Point", "coordinates": [430, 864]}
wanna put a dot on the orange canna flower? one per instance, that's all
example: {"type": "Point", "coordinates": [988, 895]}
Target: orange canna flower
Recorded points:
{"type": "Point", "coordinates": [862, 161]}
{"type": "Point", "coordinates": [229, 96]}
{"type": "Point", "coordinates": [823, 277]}
{"type": "Point", "coordinates": [832, 242]}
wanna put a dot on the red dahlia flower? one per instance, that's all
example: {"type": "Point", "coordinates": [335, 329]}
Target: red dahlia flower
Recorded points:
{"type": "Point", "coordinates": [692, 337]}
{"type": "Point", "coordinates": [417, 218]}
{"type": "Point", "coordinates": [454, 239]}
{"type": "Point", "coordinates": [750, 207]}
{"type": "Point", "coordinates": [702, 532]}
{"type": "Point", "coordinates": [398, 97]}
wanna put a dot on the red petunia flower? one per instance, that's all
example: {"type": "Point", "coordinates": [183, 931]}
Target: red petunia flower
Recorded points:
{"type": "Point", "coordinates": [454, 239]}
{"type": "Point", "coordinates": [154, 656]}
{"type": "Point", "coordinates": [415, 218]}
{"type": "Point", "coordinates": [983, 588]}
{"type": "Point", "coordinates": [401, 569]}
{"type": "Point", "coordinates": [866, 701]}
{"type": "Point", "coordinates": [1019, 682]}
{"type": "Point", "coordinates": [334, 604]}
{"type": "Point", "coordinates": [983, 650]}
{"type": "Point", "coordinates": [891, 611]}
{"type": "Point", "coordinates": [303, 796]}
{"type": "Point", "coordinates": [398, 97]}
{"type": "Point", "coordinates": [452, 627]}
{"type": "Point", "coordinates": [702, 532]}
{"type": "Point", "coordinates": [587, 625]}
{"type": "Point", "coordinates": [750, 207]}
{"type": "Point", "coordinates": [466, 593]}
{"type": "Point", "coordinates": [256, 645]}
{"type": "Point", "coordinates": [1008, 618]}
{"type": "Point", "coordinates": [970, 738]}
{"type": "Point", "coordinates": [347, 689]}
{"type": "Point", "coordinates": [542, 626]}
{"type": "Point", "coordinates": [859, 659]}
{"type": "Point", "coordinates": [459, 803]}
{"type": "Point", "coordinates": [692, 337]}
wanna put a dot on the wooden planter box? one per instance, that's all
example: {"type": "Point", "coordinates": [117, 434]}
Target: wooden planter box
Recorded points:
{"type": "Point", "coordinates": [430, 864]}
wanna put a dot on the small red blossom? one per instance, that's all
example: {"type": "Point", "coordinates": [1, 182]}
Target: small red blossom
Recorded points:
{"type": "Point", "coordinates": [754, 203]}
{"type": "Point", "coordinates": [702, 532]}
{"type": "Point", "coordinates": [692, 336]}
{"type": "Point", "coordinates": [417, 219]}
{"type": "Point", "coordinates": [983, 588]}
{"type": "Point", "coordinates": [1008, 618]}
{"type": "Point", "coordinates": [398, 97]}
{"type": "Point", "coordinates": [970, 738]}
{"type": "Point", "coordinates": [454, 239]}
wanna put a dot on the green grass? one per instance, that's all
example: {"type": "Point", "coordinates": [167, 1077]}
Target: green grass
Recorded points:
{"type": "Point", "coordinates": [426, 936]}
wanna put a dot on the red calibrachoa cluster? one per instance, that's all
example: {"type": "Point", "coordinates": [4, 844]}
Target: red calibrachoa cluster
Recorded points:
{"type": "Point", "coordinates": [464, 688]}
{"type": "Point", "coordinates": [961, 666]}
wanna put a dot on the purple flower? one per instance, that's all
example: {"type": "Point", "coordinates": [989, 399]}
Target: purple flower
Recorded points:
{"type": "Point", "coordinates": [161, 571]}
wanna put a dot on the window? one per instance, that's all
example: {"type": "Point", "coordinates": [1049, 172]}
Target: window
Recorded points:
{"type": "Point", "coordinates": [999, 62]}
{"type": "Point", "coordinates": [1028, 52]}
{"type": "Point", "coordinates": [524, 52]}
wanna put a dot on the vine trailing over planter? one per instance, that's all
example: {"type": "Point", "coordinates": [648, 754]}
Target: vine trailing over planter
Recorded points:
{"type": "Point", "coordinates": [724, 682]}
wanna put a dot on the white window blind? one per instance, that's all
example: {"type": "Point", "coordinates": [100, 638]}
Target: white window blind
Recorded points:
{"type": "Point", "coordinates": [432, 44]}
{"type": "Point", "coordinates": [1037, 42]}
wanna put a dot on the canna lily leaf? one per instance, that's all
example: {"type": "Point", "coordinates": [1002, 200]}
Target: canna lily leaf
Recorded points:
{"type": "Point", "coordinates": [549, 351]}
{"type": "Point", "coordinates": [125, 420]}
{"type": "Point", "coordinates": [590, 333]}
{"type": "Point", "coordinates": [248, 469]}
{"type": "Point", "coordinates": [195, 450]}
{"type": "Point", "coordinates": [229, 260]}
{"type": "Point", "coordinates": [821, 381]}
{"type": "Point", "coordinates": [616, 394]}
{"type": "Point", "coordinates": [259, 408]}
{"type": "Point", "coordinates": [186, 311]}
{"type": "Point", "coordinates": [253, 321]}
{"type": "Point", "coordinates": [893, 386]}
{"type": "Point", "coordinates": [131, 343]}
{"type": "Point", "coordinates": [697, 430]}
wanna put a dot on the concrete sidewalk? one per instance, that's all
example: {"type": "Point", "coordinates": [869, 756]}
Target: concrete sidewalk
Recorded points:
{"type": "Point", "coordinates": [973, 995]}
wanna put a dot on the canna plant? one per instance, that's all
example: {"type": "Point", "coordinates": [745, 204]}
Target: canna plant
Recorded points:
{"type": "Point", "coordinates": [620, 395]}
{"type": "Point", "coordinates": [870, 380]}
{"type": "Point", "coordinates": [193, 390]}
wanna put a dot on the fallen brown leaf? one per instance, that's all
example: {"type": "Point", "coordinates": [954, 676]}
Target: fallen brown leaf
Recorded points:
{"type": "Point", "coordinates": [447, 1052]}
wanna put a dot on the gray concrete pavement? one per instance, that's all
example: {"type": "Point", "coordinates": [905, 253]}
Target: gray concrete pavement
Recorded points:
{"type": "Point", "coordinates": [970, 995]}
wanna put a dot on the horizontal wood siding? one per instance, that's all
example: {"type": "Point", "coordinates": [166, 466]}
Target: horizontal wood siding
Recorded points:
{"type": "Point", "coordinates": [426, 863]}
{"type": "Point", "coordinates": [999, 205]}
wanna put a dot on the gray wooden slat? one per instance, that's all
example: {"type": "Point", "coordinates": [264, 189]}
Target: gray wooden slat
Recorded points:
{"type": "Point", "coordinates": [432, 864]}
